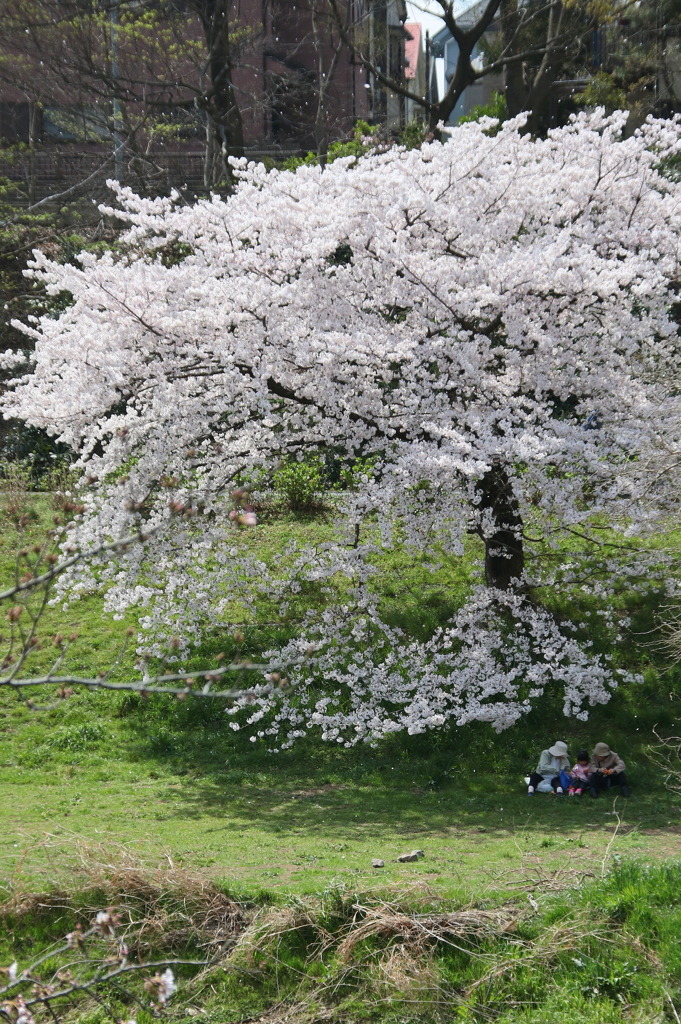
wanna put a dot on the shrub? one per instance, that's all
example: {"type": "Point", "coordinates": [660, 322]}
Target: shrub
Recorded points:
{"type": "Point", "coordinates": [300, 484]}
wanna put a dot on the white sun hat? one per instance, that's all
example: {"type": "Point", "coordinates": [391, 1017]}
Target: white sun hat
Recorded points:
{"type": "Point", "coordinates": [559, 749]}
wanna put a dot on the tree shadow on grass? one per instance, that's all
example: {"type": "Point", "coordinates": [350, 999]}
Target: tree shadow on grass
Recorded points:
{"type": "Point", "coordinates": [456, 778]}
{"type": "Point", "coordinates": [276, 802]}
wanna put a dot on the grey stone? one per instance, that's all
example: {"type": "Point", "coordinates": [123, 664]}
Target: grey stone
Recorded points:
{"type": "Point", "coordinates": [376, 863]}
{"type": "Point", "coordinates": [409, 858]}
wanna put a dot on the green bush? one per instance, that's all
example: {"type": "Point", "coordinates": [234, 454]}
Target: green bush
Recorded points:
{"type": "Point", "coordinates": [495, 108]}
{"type": "Point", "coordinates": [365, 137]}
{"type": "Point", "coordinates": [300, 484]}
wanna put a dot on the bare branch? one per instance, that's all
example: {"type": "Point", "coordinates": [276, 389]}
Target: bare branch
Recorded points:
{"type": "Point", "coordinates": [61, 567]}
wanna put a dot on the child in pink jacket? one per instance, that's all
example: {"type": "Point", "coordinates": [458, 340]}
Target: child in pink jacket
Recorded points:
{"type": "Point", "coordinates": [579, 776]}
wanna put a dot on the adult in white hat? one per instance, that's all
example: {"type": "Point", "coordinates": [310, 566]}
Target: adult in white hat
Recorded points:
{"type": "Point", "coordinates": [552, 762]}
{"type": "Point", "coordinates": [607, 769]}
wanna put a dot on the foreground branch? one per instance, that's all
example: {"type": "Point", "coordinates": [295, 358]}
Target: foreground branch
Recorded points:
{"type": "Point", "coordinates": [153, 684]}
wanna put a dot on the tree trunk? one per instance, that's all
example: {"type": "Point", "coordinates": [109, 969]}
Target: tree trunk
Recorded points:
{"type": "Point", "coordinates": [209, 175]}
{"type": "Point", "coordinates": [532, 96]}
{"type": "Point", "coordinates": [538, 104]}
{"type": "Point", "coordinates": [321, 136]}
{"type": "Point", "coordinates": [33, 130]}
{"type": "Point", "coordinates": [463, 77]}
{"type": "Point", "coordinates": [515, 91]}
{"type": "Point", "coordinates": [223, 107]}
{"type": "Point", "coordinates": [538, 99]}
{"type": "Point", "coordinates": [504, 555]}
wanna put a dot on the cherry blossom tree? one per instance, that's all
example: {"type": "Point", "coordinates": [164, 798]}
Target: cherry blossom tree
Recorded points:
{"type": "Point", "coordinates": [475, 328]}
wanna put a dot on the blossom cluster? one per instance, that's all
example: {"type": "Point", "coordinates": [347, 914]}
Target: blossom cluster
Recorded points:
{"type": "Point", "coordinates": [498, 655]}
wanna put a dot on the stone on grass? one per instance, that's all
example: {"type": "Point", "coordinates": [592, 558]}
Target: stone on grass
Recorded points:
{"type": "Point", "coordinates": [408, 858]}
{"type": "Point", "coordinates": [376, 863]}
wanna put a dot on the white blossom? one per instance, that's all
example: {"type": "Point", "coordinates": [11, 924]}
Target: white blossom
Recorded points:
{"type": "Point", "coordinates": [167, 986]}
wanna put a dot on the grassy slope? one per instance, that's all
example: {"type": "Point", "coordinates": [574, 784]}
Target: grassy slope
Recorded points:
{"type": "Point", "coordinates": [100, 776]}
{"type": "Point", "coordinates": [169, 776]}
{"type": "Point", "coordinates": [295, 824]}
{"type": "Point", "coordinates": [601, 950]}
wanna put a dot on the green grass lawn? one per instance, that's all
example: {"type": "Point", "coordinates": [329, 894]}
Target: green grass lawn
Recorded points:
{"type": "Point", "coordinates": [295, 834]}
{"type": "Point", "coordinates": [113, 780]}
{"type": "Point", "coordinates": [172, 780]}
{"type": "Point", "coordinates": [289, 822]}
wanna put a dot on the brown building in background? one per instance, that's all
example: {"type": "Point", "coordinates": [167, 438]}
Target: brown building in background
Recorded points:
{"type": "Point", "coordinates": [297, 87]}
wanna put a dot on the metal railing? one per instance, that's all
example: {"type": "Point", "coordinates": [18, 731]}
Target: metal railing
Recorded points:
{"type": "Point", "coordinates": [52, 168]}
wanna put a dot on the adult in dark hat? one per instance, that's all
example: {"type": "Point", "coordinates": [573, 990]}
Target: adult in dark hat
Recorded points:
{"type": "Point", "coordinates": [607, 769]}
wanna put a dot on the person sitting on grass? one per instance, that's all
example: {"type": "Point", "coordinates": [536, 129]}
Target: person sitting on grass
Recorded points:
{"type": "Point", "coordinates": [607, 769]}
{"type": "Point", "coordinates": [578, 779]}
{"type": "Point", "coordinates": [551, 763]}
